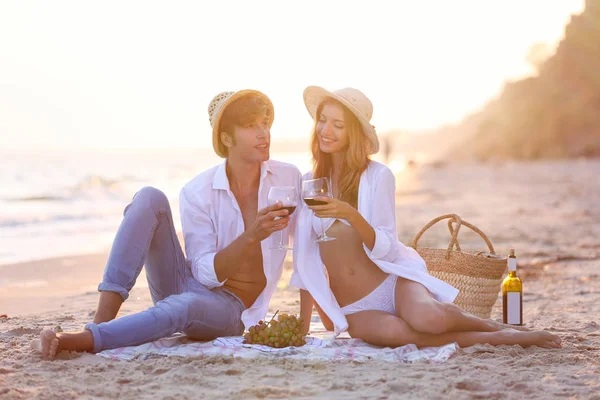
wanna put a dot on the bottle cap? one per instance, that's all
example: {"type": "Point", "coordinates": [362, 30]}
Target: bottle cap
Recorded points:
{"type": "Point", "coordinates": [512, 261]}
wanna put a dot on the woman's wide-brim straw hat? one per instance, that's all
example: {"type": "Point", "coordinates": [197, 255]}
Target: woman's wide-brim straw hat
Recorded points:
{"type": "Point", "coordinates": [354, 100]}
{"type": "Point", "coordinates": [218, 105]}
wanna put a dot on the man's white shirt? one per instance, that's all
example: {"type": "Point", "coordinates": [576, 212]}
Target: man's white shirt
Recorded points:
{"type": "Point", "coordinates": [211, 219]}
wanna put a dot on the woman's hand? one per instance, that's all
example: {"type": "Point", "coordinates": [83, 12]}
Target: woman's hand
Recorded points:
{"type": "Point", "coordinates": [334, 209]}
{"type": "Point", "coordinates": [339, 209]}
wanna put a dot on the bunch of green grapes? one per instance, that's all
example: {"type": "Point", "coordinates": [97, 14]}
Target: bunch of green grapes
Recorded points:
{"type": "Point", "coordinates": [282, 332]}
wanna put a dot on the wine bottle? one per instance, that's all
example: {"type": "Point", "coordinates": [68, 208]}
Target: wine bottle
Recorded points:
{"type": "Point", "coordinates": [512, 294]}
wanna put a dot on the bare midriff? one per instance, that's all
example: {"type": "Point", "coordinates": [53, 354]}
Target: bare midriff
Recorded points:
{"type": "Point", "coordinates": [249, 281]}
{"type": "Point", "coordinates": [352, 274]}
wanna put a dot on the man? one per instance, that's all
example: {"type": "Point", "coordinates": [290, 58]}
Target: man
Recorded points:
{"type": "Point", "coordinates": [230, 273]}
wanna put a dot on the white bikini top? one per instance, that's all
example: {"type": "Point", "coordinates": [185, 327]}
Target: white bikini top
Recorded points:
{"type": "Point", "coordinates": [327, 222]}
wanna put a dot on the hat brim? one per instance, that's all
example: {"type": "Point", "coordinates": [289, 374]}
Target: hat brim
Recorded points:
{"type": "Point", "coordinates": [315, 95]}
{"type": "Point", "coordinates": [217, 122]}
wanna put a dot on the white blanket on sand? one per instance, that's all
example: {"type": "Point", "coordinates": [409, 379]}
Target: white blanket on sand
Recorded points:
{"type": "Point", "coordinates": [338, 349]}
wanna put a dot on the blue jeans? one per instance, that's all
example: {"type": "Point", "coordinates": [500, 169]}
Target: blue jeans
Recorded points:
{"type": "Point", "coordinates": [181, 303]}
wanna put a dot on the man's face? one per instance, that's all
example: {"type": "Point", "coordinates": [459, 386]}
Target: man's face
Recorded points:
{"type": "Point", "coordinates": [251, 142]}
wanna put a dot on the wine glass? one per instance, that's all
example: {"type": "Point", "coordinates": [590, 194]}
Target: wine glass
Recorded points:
{"type": "Point", "coordinates": [289, 200]}
{"type": "Point", "coordinates": [312, 188]}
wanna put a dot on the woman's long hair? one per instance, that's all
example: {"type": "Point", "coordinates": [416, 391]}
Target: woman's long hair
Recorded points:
{"type": "Point", "coordinates": [355, 158]}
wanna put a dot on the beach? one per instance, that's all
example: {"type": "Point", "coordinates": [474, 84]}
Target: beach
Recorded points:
{"type": "Point", "coordinates": [549, 211]}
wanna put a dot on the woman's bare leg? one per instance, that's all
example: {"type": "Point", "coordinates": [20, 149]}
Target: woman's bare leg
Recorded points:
{"type": "Point", "coordinates": [416, 306]}
{"type": "Point", "coordinates": [382, 329]}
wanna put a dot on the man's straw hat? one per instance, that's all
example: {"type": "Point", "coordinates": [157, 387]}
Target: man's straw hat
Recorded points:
{"type": "Point", "coordinates": [217, 107]}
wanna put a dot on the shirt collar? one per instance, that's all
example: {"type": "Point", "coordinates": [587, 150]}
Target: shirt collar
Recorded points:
{"type": "Point", "coordinates": [221, 182]}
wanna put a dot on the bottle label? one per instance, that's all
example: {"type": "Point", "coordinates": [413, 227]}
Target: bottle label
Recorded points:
{"type": "Point", "coordinates": [513, 305]}
{"type": "Point", "coordinates": [512, 264]}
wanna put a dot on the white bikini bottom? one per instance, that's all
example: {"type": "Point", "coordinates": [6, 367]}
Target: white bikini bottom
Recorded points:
{"type": "Point", "coordinates": [383, 298]}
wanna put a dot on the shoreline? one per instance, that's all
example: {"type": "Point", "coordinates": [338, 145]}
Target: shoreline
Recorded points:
{"type": "Point", "coordinates": [47, 284]}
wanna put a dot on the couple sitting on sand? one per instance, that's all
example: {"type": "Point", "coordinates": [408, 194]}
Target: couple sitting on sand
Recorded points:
{"type": "Point", "coordinates": [365, 281]}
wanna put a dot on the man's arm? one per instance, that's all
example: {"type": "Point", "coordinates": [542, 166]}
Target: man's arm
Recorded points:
{"type": "Point", "coordinates": [212, 268]}
{"type": "Point", "coordinates": [229, 260]}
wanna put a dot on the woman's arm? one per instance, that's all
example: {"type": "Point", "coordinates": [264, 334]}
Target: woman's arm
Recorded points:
{"type": "Point", "coordinates": [364, 229]}
{"type": "Point", "coordinates": [379, 233]}
{"type": "Point", "coordinates": [327, 323]}
{"type": "Point", "coordinates": [306, 306]}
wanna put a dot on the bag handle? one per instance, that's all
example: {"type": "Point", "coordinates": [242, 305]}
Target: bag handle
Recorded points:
{"type": "Point", "coordinates": [451, 229]}
{"type": "Point", "coordinates": [453, 232]}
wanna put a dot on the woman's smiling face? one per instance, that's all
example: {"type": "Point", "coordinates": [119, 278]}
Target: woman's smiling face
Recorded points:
{"type": "Point", "coordinates": [331, 128]}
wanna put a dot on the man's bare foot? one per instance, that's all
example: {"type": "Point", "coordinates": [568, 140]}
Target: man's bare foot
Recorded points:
{"type": "Point", "coordinates": [532, 338]}
{"type": "Point", "coordinates": [49, 342]}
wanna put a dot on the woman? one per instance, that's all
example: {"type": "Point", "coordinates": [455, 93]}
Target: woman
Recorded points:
{"type": "Point", "coordinates": [366, 281]}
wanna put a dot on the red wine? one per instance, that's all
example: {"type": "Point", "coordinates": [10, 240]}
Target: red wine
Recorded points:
{"type": "Point", "coordinates": [312, 202]}
{"type": "Point", "coordinates": [290, 209]}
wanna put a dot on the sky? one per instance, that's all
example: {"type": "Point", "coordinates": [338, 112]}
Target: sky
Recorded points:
{"type": "Point", "coordinates": [140, 74]}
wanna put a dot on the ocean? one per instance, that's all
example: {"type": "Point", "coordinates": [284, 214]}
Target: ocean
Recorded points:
{"type": "Point", "coordinates": [63, 203]}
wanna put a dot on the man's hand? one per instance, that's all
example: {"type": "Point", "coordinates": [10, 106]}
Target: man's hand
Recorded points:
{"type": "Point", "coordinates": [268, 220]}
{"type": "Point", "coordinates": [229, 260]}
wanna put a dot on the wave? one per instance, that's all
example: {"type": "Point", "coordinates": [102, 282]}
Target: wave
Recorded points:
{"type": "Point", "coordinates": [25, 220]}
{"type": "Point", "coordinates": [36, 198]}
{"type": "Point", "coordinates": [90, 186]}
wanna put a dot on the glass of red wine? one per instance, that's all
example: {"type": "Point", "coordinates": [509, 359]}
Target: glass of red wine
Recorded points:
{"type": "Point", "coordinates": [312, 188]}
{"type": "Point", "coordinates": [288, 197]}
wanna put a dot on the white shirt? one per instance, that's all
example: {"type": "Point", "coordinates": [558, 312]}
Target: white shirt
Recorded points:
{"type": "Point", "coordinates": [377, 205]}
{"type": "Point", "coordinates": [211, 219]}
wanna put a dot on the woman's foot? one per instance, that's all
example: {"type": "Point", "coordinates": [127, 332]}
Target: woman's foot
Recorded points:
{"type": "Point", "coordinates": [543, 339]}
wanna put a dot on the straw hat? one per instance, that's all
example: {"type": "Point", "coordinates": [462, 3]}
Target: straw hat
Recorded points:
{"type": "Point", "coordinates": [354, 100]}
{"type": "Point", "coordinates": [217, 107]}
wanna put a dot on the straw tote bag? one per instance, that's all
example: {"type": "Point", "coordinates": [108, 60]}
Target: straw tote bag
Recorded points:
{"type": "Point", "coordinates": [478, 276]}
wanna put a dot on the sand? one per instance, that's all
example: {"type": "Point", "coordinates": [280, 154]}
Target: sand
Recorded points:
{"type": "Point", "coordinates": [549, 212]}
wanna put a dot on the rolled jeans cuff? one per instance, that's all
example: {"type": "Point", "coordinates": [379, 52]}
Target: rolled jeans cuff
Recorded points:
{"type": "Point", "coordinates": [113, 287]}
{"type": "Point", "coordinates": [92, 327]}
